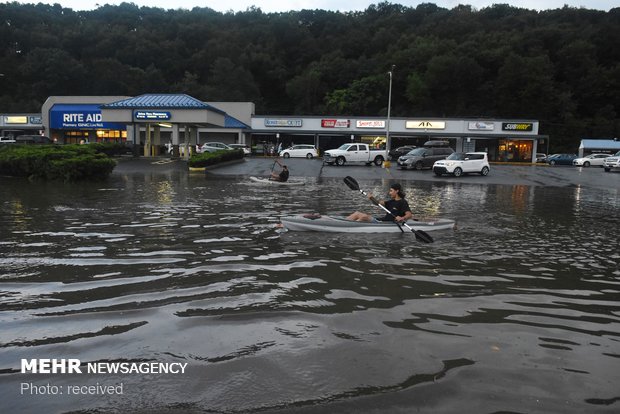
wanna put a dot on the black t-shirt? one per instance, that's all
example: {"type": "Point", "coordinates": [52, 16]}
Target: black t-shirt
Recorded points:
{"type": "Point", "coordinates": [284, 175]}
{"type": "Point", "coordinates": [397, 207]}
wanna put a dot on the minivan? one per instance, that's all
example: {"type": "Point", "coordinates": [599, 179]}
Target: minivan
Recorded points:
{"type": "Point", "coordinates": [423, 157]}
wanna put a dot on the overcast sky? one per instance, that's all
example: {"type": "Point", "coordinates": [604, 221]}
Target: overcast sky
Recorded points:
{"type": "Point", "coordinates": [269, 6]}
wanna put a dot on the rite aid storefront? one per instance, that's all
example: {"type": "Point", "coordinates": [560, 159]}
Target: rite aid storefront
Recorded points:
{"type": "Point", "coordinates": [77, 119]}
{"type": "Point", "coordinates": [504, 140]}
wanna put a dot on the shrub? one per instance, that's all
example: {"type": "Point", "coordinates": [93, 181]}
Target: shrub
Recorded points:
{"type": "Point", "coordinates": [53, 162]}
{"type": "Point", "coordinates": [211, 158]}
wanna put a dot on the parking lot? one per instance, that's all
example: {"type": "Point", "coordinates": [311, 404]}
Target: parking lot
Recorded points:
{"type": "Point", "coordinates": [536, 175]}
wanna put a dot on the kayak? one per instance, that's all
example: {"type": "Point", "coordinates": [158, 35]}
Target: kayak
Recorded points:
{"type": "Point", "coordinates": [268, 181]}
{"type": "Point", "coordinates": [338, 224]}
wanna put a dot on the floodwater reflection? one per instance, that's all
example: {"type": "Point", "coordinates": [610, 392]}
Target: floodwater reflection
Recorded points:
{"type": "Point", "coordinates": [517, 310]}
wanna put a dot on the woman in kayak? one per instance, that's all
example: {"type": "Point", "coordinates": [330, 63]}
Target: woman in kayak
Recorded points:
{"type": "Point", "coordinates": [282, 176]}
{"type": "Point", "coordinates": [397, 205]}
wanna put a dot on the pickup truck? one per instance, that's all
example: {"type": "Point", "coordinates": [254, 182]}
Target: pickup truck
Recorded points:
{"type": "Point", "coordinates": [354, 152]}
{"type": "Point", "coordinates": [612, 162]}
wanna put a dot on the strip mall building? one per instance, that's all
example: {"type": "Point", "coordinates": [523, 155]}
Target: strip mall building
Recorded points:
{"type": "Point", "coordinates": [154, 120]}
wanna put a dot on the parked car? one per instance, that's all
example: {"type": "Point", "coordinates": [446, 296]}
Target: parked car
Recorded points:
{"type": "Point", "coordinates": [214, 146]}
{"type": "Point", "coordinates": [302, 150]}
{"type": "Point", "coordinates": [612, 162]}
{"type": "Point", "coordinates": [460, 163]}
{"type": "Point", "coordinates": [540, 157]}
{"type": "Point", "coordinates": [7, 140]}
{"type": "Point", "coordinates": [245, 148]}
{"type": "Point", "coordinates": [423, 157]}
{"type": "Point", "coordinates": [355, 152]}
{"type": "Point", "coordinates": [397, 152]}
{"type": "Point", "coordinates": [33, 139]}
{"type": "Point", "coordinates": [561, 159]}
{"type": "Point", "coordinates": [592, 159]}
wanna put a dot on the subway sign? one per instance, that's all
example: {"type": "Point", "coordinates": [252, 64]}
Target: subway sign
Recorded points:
{"type": "Point", "coordinates": [518, 126]}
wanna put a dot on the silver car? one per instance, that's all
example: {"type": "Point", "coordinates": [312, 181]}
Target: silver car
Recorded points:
{"type": "Point", "coordinates": [214, 146]}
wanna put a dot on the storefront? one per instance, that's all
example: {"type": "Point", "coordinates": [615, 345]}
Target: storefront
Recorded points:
{"type": "Point", "coordinates": [13, 125]}
{"type": "Point", "coordinates": [80, 123]}
{"type": "Point", "coordinates": [504, 140]}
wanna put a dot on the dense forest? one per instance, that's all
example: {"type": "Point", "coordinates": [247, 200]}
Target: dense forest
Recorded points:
{"type": "Point", "coordinates": [560, 66]}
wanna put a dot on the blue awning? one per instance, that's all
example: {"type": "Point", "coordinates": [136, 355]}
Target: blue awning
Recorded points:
{"type": "Point", "coordinates": [80, 116]}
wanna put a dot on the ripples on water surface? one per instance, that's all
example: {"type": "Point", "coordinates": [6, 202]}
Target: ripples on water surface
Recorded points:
{"type": "Point", "coordinates": [518, 310]}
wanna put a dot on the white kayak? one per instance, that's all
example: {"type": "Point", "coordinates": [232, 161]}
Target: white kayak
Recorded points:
{"type": "Point", "coordinates": [268, 181]}
{"type": "Point", "coordinates": [337, 224]}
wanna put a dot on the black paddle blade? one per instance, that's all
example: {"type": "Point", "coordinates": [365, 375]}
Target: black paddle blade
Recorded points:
{"type": "Point", "coordinates": [351, 183]}
{"type": "Point", "coordinates": [423, 236]}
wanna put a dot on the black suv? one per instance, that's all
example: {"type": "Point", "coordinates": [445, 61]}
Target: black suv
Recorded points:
{"type": "Point", "coordinates": [423, 157]}
{"type": "Point", "coordinates": [397, 152]}
{"type": "Point", "coordinates": [33, 139]}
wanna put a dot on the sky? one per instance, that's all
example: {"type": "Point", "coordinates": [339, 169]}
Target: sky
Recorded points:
{"type": "Point", "coordinates": [271, 6]}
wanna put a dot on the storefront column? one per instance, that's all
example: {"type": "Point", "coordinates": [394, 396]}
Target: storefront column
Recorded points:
{"type": "Point", "coordinates": [133, 137]}
{"type": "Point", "coordinates": [156, 140]}
{"type": "Point", "coordinates": [186, 143]}
{"type": "Point", "coordinates": [147, 141]}
{"type": "Point", "coordinates": [175, 140]}
{"type": "Point", "coordinates": [193, 139]}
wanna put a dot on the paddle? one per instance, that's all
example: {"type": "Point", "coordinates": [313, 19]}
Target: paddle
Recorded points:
{"type": "Point", "coordinates": [272, 167]}
{"type": "Point", "coordinates": [419, 234]}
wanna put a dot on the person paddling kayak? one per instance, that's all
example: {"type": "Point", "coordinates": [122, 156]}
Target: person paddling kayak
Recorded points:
{"type": "Point", "coordinates": [282, 176]}
{"type": "Point", "coordinates": [397, 205]}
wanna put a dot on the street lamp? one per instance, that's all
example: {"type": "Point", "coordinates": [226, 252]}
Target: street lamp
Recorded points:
{"type": "Point", "coordinates": [388, 144]}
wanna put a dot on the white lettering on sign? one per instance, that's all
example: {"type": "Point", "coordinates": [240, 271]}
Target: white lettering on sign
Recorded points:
{"type": "Point", "coordinates": [81, 117]}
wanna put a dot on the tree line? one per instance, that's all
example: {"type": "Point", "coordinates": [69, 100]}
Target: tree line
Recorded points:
{"type": "Point", "coordinates": [560, 66]}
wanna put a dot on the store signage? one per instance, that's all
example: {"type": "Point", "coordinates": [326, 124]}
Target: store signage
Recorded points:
{"type": "Point", "coordinates": [369, 124]}
{"type": "Point", "coordinates": [15, 119]}
{"type": "Point", "coordinates": [82, 120]}
{"type": "Point", "coordinates": [425, 124]}
{"type": "Point", "coordinates": [35, 120]}
{"type": "Point", "coordinates": [518, 126]}
{"type": "Point", "coordinates": [286, 123]}
{"type": "Point", "coordinates": [152, 115]}
{"type": "Point", "coordinates": [481, 126]}
{"type": "Point", "coordinates": [335, 123]}
{"type": "Point", "coordinates": [78, 116]}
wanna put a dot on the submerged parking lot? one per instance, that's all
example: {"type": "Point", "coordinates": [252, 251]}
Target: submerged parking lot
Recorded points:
{"type": "Point", "coordinates": [534, 175]}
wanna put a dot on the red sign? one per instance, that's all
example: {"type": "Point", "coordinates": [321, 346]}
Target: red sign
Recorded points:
{"type": "Point", "coordinates": [335, 123]}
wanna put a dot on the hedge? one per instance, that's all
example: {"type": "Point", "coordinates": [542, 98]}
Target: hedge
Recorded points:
{"type": "Point", "coordinates": [55, 162]}
{"type": "Point", "coordinates": [206, 159]}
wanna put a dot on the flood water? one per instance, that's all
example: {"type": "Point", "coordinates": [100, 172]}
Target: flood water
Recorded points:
{"type": "Point", "coordinates": [517, 310]}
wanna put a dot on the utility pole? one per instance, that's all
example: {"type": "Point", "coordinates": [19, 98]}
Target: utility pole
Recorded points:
{"type": "Point", "coordinates": [388, 144]}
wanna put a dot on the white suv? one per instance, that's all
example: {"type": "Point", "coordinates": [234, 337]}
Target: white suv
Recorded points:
{"type": "Point", "coordinates": [612, 162]}
{"type": "Point", "coordinates": [460, 163]}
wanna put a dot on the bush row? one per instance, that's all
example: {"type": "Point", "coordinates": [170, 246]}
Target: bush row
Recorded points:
{"type": "Point", "coordinates": [206, 159]}
{"type": "Point", "coordinates": [55, 162]}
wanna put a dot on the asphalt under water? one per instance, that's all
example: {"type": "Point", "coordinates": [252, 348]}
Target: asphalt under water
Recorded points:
{"type": "Point", "coordinates": [517, 310]}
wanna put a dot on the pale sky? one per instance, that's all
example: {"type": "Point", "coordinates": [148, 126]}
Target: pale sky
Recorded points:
{"type": "Point", "coordinates": [270, 6]}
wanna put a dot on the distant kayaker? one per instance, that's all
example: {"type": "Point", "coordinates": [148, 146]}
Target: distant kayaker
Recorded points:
{"type": "Point", "coordinates": [397, 205]}
{"type": "Point", "coordinates": [282, 175]}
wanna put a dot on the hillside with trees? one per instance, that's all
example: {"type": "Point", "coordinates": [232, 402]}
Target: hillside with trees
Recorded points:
{"type": "Point", "coordinates": [560, 66]}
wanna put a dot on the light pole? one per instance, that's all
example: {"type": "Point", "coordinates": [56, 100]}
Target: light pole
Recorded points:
{"type": "Point", "coordinates": [388, 144]}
